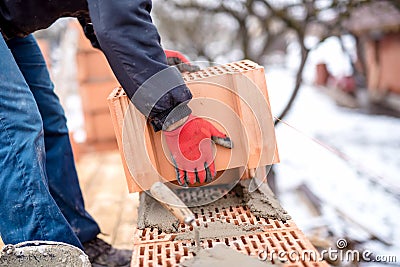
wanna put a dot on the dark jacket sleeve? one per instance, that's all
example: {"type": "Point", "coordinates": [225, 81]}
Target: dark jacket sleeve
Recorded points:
{"type": "Point", "coordinates": [131, 43]}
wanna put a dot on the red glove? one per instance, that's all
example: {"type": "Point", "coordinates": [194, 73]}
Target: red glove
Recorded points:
{"type": "Point", "coordinates": [175, 58]}
{"type": "Point", "coordinates": [191, 149]}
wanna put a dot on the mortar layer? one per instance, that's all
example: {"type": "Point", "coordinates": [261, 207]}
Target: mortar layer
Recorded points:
{"type": "Point", "coordinates": [153, 215]}
{"type": "Point", "coordinates": [264, 205]}
{"type": "Point", "coordinates": [219, 229]}
{"type": "Point", "coordinates": [222, 255]}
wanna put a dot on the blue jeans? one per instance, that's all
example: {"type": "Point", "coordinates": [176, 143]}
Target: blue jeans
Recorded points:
{"type": "Point", "coordinates": [40, 197]}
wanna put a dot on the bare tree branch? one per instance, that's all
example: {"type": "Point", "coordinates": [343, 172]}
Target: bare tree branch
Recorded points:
{"type": "Point", "coordinates": [303, 18]}
{"type": "Point", "coordinates": [299, 79]}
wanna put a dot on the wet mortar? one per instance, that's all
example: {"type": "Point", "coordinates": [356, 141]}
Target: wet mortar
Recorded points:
{"type": "Point", "coordinates": [221, 255]}
{"type": "Point", "coordinates": [153, 215]}
{"type": "Point", "coordinates": [264, 205]}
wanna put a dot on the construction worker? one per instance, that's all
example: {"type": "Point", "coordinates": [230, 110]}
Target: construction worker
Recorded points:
{"type": "Point", "coordinates": [40, 194]}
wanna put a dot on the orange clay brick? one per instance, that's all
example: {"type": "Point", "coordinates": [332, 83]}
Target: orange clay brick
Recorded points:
{"type": "Point", "coordinates": [152, 247]}
{"type": "Point", "coordinates": [93, 67]}
{"type": "Point", "coordinates": [239, 215]}
{"type": "Point", "coordinates": [98, 127]}
{"type": "Point", "coordinates": [156, 248]}
{"type": "Point", "coordinates": [94, 95]}
{"type": "Point", "coordinates": [242, 89]}
{"type": "Point", "coordinates": [175, 252]}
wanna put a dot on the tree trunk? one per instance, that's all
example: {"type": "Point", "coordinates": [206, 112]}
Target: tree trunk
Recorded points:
{"type": "Point", "coordinates": [299, 79]}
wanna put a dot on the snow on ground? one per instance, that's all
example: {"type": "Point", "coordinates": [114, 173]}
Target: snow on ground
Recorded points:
{"type": "Point", "coordinates": [372, 145]}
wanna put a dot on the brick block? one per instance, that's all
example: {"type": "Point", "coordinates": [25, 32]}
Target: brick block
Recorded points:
{"type": "Point", "coordinates": [155, 248]}
{"type": "Point", "coordinates": [93, 67]}
{"type": "Point", "coordinates": [45, 49]}
{"type": "Point", "coordinates": [240, 215]}
{"type": "Point", "coordinates": [94, 95]}
{"type": "Point", "coordinates": [174, 253]}
{"type": "Point", "coordinates": [98, 127]}
{"type": "Point", "coordinates": [236, 98]}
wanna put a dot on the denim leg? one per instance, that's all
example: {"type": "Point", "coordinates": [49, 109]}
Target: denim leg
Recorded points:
{"type": "Point", "coordinates": [60, 166]}
{"type": "Point", "coordinates": [28, 211]}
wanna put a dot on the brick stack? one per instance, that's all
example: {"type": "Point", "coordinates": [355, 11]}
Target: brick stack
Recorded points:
{"type": "Point", "coordinates": [96, 81]}
{"type": "Point", "coordinates": [155, 248]}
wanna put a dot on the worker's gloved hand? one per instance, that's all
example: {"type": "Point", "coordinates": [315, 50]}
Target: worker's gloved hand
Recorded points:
{"type": "Point", "coordinates": [192, 152]}
{"type": "Point", "coordinates": [175, 58]}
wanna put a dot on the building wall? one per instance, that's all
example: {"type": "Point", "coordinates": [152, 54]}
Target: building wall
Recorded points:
{"type": "Point", "coordinates": [96, 81]}
{"type": "Point", "coordinates": [390, 63]}
{"type": "Point", "coordinates": [383, 64]}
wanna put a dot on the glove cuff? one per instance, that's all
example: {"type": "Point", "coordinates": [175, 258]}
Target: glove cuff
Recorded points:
{"type": "Point", "coordinates": [166, 119]}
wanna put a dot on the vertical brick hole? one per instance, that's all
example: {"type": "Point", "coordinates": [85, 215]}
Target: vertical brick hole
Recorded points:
{"type": "Point", "coordinates": [301, 244]}
{"type": "Point", "coordinates": [159, 259]}
{"type": "Point", "coordinates": [294, 234]}
{"type": "Point", "coordinates": [185, 251]}
{"type": "Point", "coordinates": [227, 241]}
{"type": "Point", "coordinates": [260, 238]}
{"type": "Point", "coordinates": [271, 242]}
{"type": "Point", "coordinates": [288, 240]}
{"type": "Point", "coordinates": [277, 236]}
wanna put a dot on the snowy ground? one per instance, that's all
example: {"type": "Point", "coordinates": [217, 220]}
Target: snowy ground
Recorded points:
{"type": "Point", "coordinates": [372, 145]}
